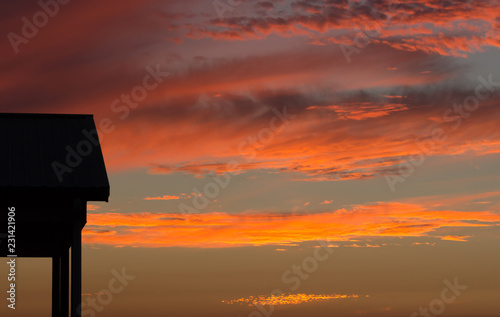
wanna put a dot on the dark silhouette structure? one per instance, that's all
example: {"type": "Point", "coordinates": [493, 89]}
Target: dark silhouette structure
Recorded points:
{"type": "Point", "coordinates": [50, 166]}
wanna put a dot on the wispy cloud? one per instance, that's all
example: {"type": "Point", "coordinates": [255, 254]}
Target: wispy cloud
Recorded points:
{"type": "Point", "coordinates": [456, 238]}
{"type": "Point", "coordinates": [326, 202]}
{"type": "Point", "coordinates": [219, 230]}
{"type": "Point", "coordinates": [166, 197]}
{"type": "Point", "coordinates": [92, 207]}
{"type": "Point", "coordinates": [362, 111]}
{"type": "Point", "coordinates": [452, 28]}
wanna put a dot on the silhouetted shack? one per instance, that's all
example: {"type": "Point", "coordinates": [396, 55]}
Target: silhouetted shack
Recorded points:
{"type": "Point", "coordinates": [51, 165]}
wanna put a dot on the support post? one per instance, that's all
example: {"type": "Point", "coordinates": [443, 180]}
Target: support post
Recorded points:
{"type": "Point", "coordinates": [76, 258]}
{"type": "Point", "coordinates": [65, 282]}
{"type": "Point", "coordinates": [56, 285]}
{"type": "Point", "coordinates": [76, 272]}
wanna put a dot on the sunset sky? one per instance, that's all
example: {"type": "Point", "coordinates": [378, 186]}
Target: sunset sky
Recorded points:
{"type": "Point", "coordinates": [274, 158]}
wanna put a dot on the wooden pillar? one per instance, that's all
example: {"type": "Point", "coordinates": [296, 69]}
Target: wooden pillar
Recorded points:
{"type": "Point", "coordinates": [65, 282]}
{"type": "Point", "coordinates": [56, 285]}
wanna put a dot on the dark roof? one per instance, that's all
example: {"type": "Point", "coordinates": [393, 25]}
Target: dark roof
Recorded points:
{"type": "Point", "coordinates": [51, 155]}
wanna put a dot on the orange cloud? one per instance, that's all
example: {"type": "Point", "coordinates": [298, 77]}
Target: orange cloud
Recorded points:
{"type": "Point", "coordinates": [315, 157]}
{"type": "Point", "coordinates": [166, 197]}
{"type": "Point", "coordinates": [319, 144]}
{"type": "Point", "coordinates": [326, 202]}
{"type": "Point", "coordinates": [455, 238]}
{"type": "Point", "coordinates": [458, 46]}
{"type": "Point", "coordinates": [361, 111]}
{"type": "Point", "coordinates": [457, 201]}
{"type": "Point", "coordinates": [423, 243]}
{"type": "Point", "coordinates": [218, 230]}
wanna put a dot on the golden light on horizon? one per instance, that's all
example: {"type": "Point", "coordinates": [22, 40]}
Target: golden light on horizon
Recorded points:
{"type": "Point", "coordinates": [288, 299]}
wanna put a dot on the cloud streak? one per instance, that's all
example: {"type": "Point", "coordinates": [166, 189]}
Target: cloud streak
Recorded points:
{"type": "Point", "coordinates": [165, 197]}
{"type": "Point", "coordinates": [220, 230]}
